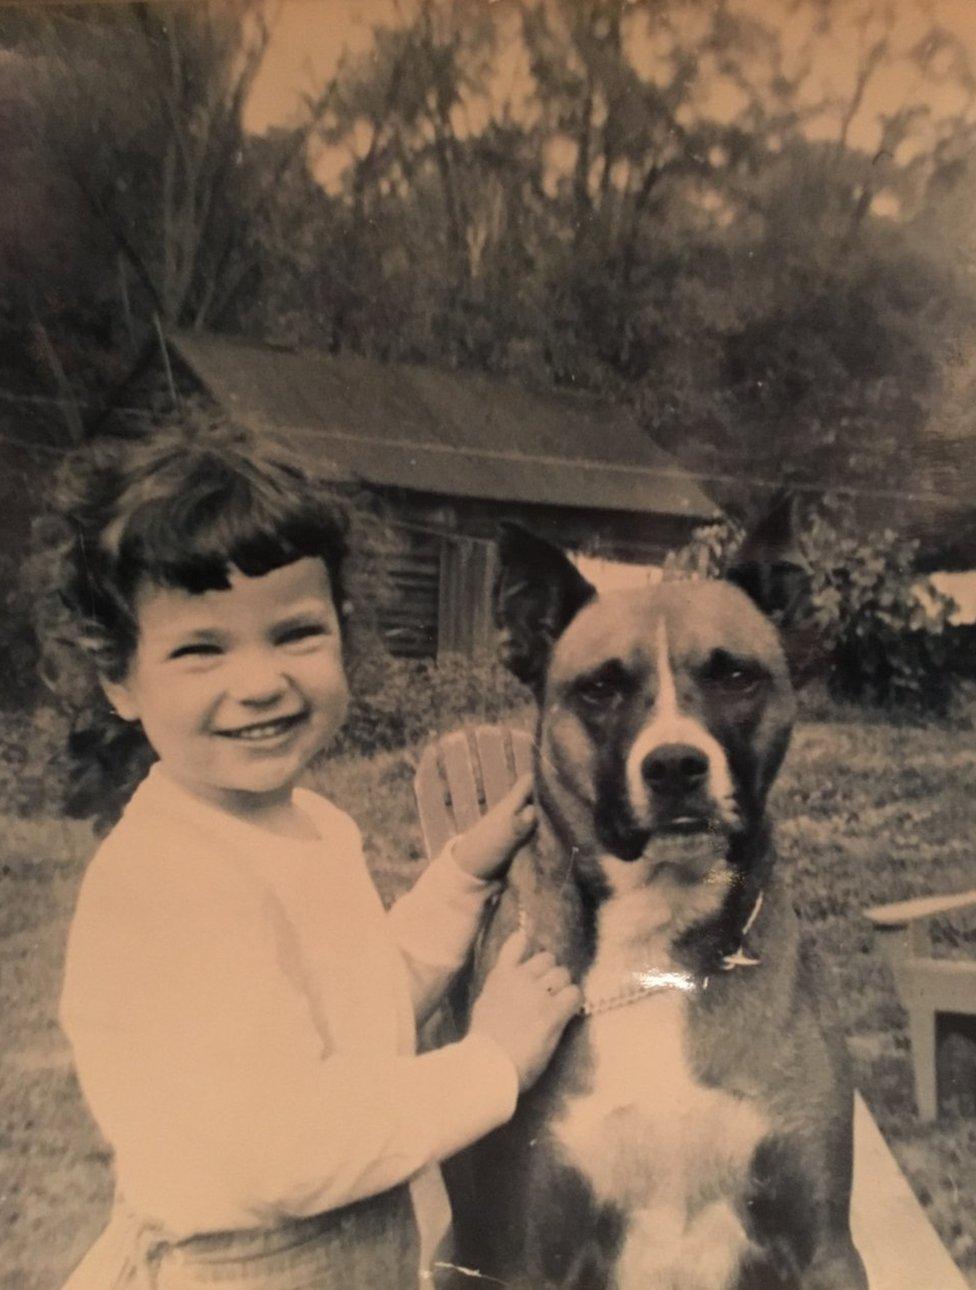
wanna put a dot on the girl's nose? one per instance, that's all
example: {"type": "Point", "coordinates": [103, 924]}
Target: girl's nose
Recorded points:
{"type": "Point", "coordinates": [257, 680]}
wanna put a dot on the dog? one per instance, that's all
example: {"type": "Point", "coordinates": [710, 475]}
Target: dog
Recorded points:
{"type": "Point", "coordinates": [694, 1129]}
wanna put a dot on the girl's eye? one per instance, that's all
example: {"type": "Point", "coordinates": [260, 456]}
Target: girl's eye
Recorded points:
{"type": "Point", "coordinates": [307, 633]}
{"type": "Point", "coordinates": [198, 649]}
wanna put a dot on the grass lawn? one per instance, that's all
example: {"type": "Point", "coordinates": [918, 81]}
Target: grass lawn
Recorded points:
{"type": "Point", "coordinates": [868, 813]}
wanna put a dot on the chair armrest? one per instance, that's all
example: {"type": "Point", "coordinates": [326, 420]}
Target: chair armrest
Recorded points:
{"type": "Point", "coordinates": [903, 912]}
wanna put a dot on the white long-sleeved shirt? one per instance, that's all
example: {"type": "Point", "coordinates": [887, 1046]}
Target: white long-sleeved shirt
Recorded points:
{"type": "Point", "coordinates": [241, 1011]}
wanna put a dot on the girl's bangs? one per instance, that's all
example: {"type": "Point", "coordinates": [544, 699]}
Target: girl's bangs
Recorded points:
{"type": "Point", "coordinates": [193, 539]}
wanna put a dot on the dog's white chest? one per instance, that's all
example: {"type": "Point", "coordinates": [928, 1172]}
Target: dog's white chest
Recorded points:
{"type": "Point", "coordinates": [672, 1154]}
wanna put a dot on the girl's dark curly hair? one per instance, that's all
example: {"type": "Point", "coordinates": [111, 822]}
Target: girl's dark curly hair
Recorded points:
{"type": "Point", "coordinates": [177, 508]}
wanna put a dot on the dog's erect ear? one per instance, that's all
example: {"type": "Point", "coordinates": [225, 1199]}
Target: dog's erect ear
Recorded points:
{"type": "Point", "coordinates": [778, 587]}
{"type": "Point", "coordinates": [537, 591]}
{"type": "Point", "coordinates": [769, 566]}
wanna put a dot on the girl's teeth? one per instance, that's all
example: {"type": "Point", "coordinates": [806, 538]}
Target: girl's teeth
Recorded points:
{"type": "Point", "coordinates": [262, 732]}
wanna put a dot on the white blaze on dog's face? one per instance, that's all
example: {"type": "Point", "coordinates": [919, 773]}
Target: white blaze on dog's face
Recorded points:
{"type": "Point", "coordinates": [670, 725]}
{"type": "Point", "coordinates": [667, 712]}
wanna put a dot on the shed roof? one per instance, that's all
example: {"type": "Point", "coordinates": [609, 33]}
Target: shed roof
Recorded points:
{"type": "Point", "coordinates": [456, 434]}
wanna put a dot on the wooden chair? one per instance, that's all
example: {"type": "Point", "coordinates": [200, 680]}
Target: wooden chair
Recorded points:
{"type": "Point", "coordinates": [463, 774]}
{"type": "Point", "coordinates": [927, 987]}
{"type": "Point", "coordinates": [459, 777]}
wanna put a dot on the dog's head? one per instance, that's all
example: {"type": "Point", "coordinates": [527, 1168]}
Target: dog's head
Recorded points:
{"type": "Point", "coordinates": [665, 712]}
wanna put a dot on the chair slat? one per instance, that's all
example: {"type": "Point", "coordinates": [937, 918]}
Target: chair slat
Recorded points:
{"type": "Point", "coordinates": [522, 743]}
{"type": "Point", "coordinates": [491, 746]}
{"type": "Point", "coordinates": [446, 784]}
{"type": "Point", "coordinates": [461, 782]}
{"type": "Point", "coordinates": [436, 821]}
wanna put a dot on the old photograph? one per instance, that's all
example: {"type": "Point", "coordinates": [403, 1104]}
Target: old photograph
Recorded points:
{"type": "Point", "coordinates": [488, 651]}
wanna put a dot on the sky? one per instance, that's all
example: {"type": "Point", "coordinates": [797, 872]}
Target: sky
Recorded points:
{"type": "Point", "coordinates": [308, 39]}
{"type": "Point", "coordinates": [310, 36]}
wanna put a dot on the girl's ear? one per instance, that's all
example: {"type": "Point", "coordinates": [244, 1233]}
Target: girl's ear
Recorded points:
{"type": "Point", "coordinates": [120, 697]}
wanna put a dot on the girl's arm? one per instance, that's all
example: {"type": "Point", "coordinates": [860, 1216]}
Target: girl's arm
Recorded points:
{"type": "Point", "coordinates": [434, 924]}
{"type": "Point", "coordinates": [203, 1068]}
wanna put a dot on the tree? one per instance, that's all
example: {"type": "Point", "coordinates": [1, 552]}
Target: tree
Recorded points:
{"type": "Point", "coordinates": [160, 170]}
{"type": "Point", "coordinates": [134, 117]}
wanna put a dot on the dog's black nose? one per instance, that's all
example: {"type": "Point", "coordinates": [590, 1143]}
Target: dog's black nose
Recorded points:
{"type": "Point", "coordinates": [673, 769]}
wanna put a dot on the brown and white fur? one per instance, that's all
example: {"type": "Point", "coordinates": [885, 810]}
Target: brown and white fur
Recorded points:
{"type": "Point", "coordinates": [696, 1136]}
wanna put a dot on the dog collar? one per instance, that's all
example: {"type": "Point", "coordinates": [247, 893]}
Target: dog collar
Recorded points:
{"type": "Point", "coordinates": [740, 956]}
{"type": "Point", "coordinates": [654, 982]}
{"type": "Point", "coordinates": [647, 983]}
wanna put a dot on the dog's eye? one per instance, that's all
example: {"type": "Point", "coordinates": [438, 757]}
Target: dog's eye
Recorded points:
{"type": "Point", "coordinates": [602, 687]}
{"type": "Point", "coordinates": [727, 672]}
{"type": "Point", "coordinates": [597, 690]}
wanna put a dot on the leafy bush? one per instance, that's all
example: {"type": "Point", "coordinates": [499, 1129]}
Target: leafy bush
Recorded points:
{"type": "Point", "coordinates": [32, 762]}
{"type": "Point", "coordinates": [885, 627]}
{"type": "Point", "coordinates": [709, 553]}
{"type": "Point", "coordinates": [403, 701]}
{"type": "Point", "coordinates": [18, 640]}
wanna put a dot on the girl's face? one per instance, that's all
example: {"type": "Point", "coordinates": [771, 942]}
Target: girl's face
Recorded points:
{"type": "Point", "coordinates": [238, 689]}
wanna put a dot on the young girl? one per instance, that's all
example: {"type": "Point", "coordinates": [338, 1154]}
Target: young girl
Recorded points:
{"type": "Point", "coordinates": [242, 1012]}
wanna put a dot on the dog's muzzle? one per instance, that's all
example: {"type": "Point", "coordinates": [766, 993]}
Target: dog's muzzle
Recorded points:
{"type": "Point", "coordinates": [674, 808]}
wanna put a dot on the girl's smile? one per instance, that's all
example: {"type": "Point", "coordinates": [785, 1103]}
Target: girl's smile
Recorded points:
{"type": "Point", "coordinates": [238, 689]}
{"type": "Point", "coordinates": [266, 732]}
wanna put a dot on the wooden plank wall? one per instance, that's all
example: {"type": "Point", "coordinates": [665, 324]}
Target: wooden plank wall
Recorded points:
{"type": "Point", "coordinates": [467, 572]}
{"type": "Point", "coordinates": [409, 621]}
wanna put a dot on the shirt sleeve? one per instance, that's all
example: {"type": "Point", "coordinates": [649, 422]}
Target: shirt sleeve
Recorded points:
{"type": "Point", "coordinates": [202, 1066]}
{"type": "Point", "coordinates": [434, 925]}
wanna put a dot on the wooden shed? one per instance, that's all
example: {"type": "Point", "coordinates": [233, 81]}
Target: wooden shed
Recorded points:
{"type": "Point", "coordinates": [452, 454]}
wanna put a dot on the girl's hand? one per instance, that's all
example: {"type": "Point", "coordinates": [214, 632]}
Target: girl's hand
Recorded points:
{"type": "Point", "coordinates": [486, 849]}
{"type": "Point", "coordinates": [524, 1006]}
